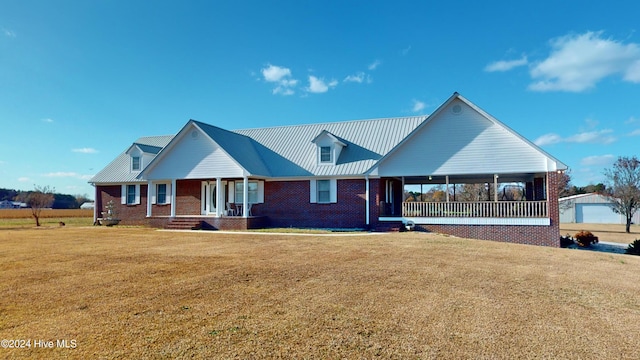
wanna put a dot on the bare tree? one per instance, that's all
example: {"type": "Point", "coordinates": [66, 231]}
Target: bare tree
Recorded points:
{"type": "Point", "coordinates": [624, 187]}
{"type": "Point", "coordinates": [42, 197]}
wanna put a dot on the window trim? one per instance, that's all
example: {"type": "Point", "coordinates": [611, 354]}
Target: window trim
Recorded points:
{"type": "Point", "coordinates": [124, 194]}
{"type": "Point", "coordinates": [314, 191]}
{"type": "Point", "coordinates": [329, 154]}
{"type": "Point", "coordinates": [133, 163]}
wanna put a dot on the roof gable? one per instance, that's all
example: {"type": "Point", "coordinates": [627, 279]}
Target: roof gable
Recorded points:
{"type": "Point", "coordinates": [460, 138]}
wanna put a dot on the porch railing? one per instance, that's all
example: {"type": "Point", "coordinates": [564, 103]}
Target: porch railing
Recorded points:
{"type": "Point", "coordinates": [485, 209]}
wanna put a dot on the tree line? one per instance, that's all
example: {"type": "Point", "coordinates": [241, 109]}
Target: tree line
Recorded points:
{"type": "Point", "coordinates": [60, 201]}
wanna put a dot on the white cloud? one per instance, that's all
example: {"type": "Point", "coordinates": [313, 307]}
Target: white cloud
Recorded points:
{"type": "Point", "coordinates": [418, 106]}
{"type": "Point", "coordinates": [632, 120]}
{"type": "Point", "coordinates": [601, 160]}
{"type": "Point", "coordinates": [358, 78]}
{"type": "Point", "coordinates": [599, 137]}
{"type": "Point", "coordinates": [47, 120]}
{"type": "Point", "coordinates": [548, 139]}
{"type": "Point", "coordinates": [596, 137]}
{"type": "Point", "coordinates": [506, 65]}
{"type": "Point", "coordinates": [405, 51]}
{"type": "Point", "coordinates": [85, 150]}
{"type": "Point", "coordinates": [579, 62]}
{"type": "Point", "coordinates": [635, 132]}
{"type": "Point", "coordinates": [274, 73]}
{"type": "Point", "coordinates": [319, 85]}
{"type": "Point", "coordinates": [374, 65]}
{"type": "Point", "coordinates": [9, 33]}
{"type": "Point", "coordinates": [24, 179]}
{"type": "Point", "coordinates": [60, 174]}
{"type": "Point", "coordinates": [282, 77]}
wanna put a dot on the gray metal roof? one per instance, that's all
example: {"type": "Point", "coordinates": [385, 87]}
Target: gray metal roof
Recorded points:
{"type": "Point", "coordinates": [367, 141]}
{"type": "Point", "coordinates": [118, 170]}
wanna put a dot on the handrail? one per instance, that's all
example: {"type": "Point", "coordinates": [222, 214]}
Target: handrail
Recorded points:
{"type": "Point", "coordinates": [484, 209]}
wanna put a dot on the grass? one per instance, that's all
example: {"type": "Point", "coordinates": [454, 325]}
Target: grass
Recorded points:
{"type": "Point", "coordinates": [141, 293]}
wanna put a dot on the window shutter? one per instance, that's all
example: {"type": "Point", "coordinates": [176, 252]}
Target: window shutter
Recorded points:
{"type": "Point", "coordinates": [312, 192]}
{"type": "Point", "coordinates": [168, 201]}
{"type": "Point", "coordinates": [137, 200]}
{"type": "Point", "coordinates": [154, 191]}
{"type": "Point", "coordinates": [260, 192]}
{"type": "Point", "coordinates": [333, 190]}
{"type": "Point", "coordinates": [123, 194]}
{"type": "Point", "coordinates": [232, 191]}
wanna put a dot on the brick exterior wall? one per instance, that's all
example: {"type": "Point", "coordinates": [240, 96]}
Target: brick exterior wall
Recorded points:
{"type": "Point", "coordinates": [128, 214]}
{"type": "Point", "coordinates": [188, 197]}
{"type": "Point", "coordinates": [286, 203]}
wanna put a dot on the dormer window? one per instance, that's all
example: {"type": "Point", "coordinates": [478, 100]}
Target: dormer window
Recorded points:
{"type": "Point", "coordinates": [325, 154]}
{"type": "Point", "coordinates": [135, 163]}
{"type": "Point", "coordinates": [328, 148]}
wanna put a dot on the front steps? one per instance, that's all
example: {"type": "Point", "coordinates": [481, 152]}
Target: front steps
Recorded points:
{"type": "Point", "coordinates": [184, 224]}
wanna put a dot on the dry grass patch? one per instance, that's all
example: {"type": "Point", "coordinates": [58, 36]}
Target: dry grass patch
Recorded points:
{"type": "Point", "coordinates": [604, 232]}
{"type": "Point", "coordinates": [140, 293]}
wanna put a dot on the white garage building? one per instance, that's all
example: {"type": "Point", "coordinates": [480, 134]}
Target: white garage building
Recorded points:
{"type": "Point", "coordinates": [592, 209]}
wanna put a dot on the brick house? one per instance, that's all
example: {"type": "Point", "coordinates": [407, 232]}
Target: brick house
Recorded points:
{"type": "Point", "coordinates": [354, 174]}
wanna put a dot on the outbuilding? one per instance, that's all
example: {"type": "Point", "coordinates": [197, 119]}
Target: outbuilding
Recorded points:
{"type": "Point", "coordinates": [590, 208]}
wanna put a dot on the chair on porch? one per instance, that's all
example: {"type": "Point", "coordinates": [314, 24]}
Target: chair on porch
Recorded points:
{"type": "Point", "coordinates": [230, 210]}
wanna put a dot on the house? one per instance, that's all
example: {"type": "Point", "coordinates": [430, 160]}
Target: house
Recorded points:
{"type": "Point", "coordinates": [591, 209]}
{"type": "Point", "coordinates": [6, 204]}
{"type": "Point", "coordinates": [340, 175]}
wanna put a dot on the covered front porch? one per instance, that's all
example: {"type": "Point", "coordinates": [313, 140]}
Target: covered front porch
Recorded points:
{"type": "Point", "coordinates": [218, 203]}
{"type": "Point", "coordinates": [482, 199]}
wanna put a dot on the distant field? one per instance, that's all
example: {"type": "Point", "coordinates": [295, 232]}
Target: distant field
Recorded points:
{"type": "Point", "coordinates": [48, 217]}
{"type": "Point", "coordinates": [140, 293]}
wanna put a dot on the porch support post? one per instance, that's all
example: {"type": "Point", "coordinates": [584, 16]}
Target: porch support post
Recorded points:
{"type": "Point", "coordinates": [402, 197]}
{"type": "Point", "coordinates": [245, 197]}
{"type": "Point", "coordinates": [447, 180]}
{"type": "Point", "coordinates": [495, 187]}
{"type": "Point", "coordinates": [366, 198]}
{"type": "Point", "coordinates": [149, 206]}
{"type": "Point", "coordinates": [218, 198]}
{"type": "Point", "coordinates": [97, 204]}
{"type": "Point", "coordinates": [174, 190]}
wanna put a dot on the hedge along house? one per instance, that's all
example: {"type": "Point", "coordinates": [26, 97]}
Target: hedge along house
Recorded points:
{"type": "Point", "coordinates": [351, 174]}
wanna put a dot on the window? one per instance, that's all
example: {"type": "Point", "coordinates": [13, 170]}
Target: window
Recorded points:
{"type": "Point", "coordinates": [135, 163]}
{"type": "Point", "coordinates": [252, 190]}
{"type": "Point", "coordinates": [131, 194]}
{"type": "Point", "coordinates": [324, 191]}
{"type": "Point", "coordinates": [325, 154]}
{"type": "Point", "coordinates": [161, 193]}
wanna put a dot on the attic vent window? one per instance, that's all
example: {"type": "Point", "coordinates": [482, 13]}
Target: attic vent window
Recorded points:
{"type": "Point", "coordinates": [325, 154]}
{"type": "Point", "coordinates": [456, 109]}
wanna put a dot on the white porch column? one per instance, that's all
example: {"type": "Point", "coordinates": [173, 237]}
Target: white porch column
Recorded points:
{"type": "Point", "coordinates": [366, 202]}
{"type": "Point", "coordinates": [447, 180]}
{"type": "Point", "coordinates": [495, 187]}
{"type": "Point", "coordinates": [218, 198]}
{"type": "Point", "coordinates": [173, 197]}
{"type": "Point", "coordinates": [245, 197]}
{"type": "Point", "coordinates": [96, 202]}
{"type": "Point", "coordinates": [149, 206]}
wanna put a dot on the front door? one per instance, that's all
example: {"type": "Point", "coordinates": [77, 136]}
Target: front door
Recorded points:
{"type": "Point", "coordinates": [211, 199]}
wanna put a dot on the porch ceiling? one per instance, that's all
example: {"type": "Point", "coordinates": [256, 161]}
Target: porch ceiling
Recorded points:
{"type": "Point", "coordinates": [468, 179]}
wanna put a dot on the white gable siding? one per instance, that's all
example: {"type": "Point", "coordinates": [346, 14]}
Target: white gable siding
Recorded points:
{"type": "Point", "coordinates": [195, 158]}
{"type": "Point", "coordinates": [463, 143]}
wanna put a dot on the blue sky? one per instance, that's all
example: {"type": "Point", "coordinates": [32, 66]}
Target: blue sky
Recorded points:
{"type": "Point", "coordinates": [81, 80]}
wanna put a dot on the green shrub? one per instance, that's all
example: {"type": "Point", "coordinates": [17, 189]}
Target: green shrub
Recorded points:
{"type": "Point", "coordinates": [585, 238]}
{"type": "Point", "coordinates": [634, 248]}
